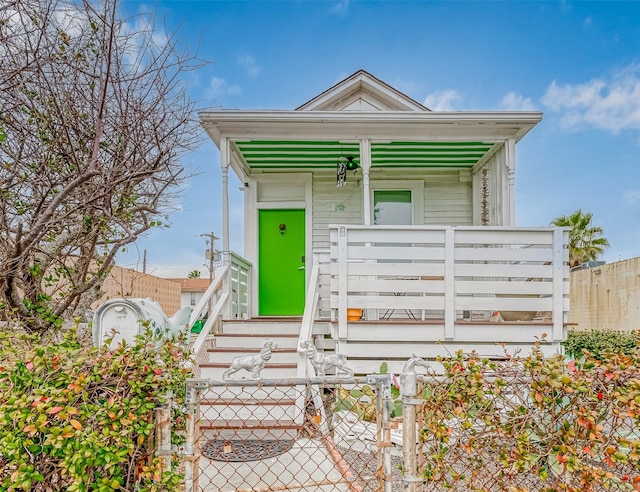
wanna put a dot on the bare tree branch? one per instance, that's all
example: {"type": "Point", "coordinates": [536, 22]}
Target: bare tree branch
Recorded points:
{"type": "Point", "coordinates": [94, 121]}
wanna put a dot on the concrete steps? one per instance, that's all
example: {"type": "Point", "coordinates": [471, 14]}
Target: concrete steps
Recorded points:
{"type": "Point", "coordinates": [256, 340]}
{"type": "Point", "coordinates": [252, 412]}
{"type": "Point", "coordinates": [281, 326]}
{"type": "Point", "coordinates": [224, 355]}
{"type": "Point", "coordinates": [214, 370]}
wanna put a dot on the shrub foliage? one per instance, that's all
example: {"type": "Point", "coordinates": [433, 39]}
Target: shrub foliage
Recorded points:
{"type": "Point", "coordinates": [600, 342]}
{"type": "Point", "coordinates": [78, 418]}
{"type": "Point", "coordinates": [533, 424]}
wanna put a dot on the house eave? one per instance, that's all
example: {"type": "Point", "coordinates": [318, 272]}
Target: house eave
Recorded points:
{"type": "Point", "coordinates": [353, 125]}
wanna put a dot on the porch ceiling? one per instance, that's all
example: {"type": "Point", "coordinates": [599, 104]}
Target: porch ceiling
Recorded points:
{"type": "Point", "coordinates": [268, 139]}
{"type": "Point", "coordinates": [272, 154]}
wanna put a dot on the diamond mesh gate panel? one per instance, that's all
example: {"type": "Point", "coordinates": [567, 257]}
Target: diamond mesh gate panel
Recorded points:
{"type": "Point", "coordinates": [269, 435]}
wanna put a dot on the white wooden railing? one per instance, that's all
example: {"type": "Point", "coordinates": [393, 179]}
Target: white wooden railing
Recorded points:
{"type": "Point", "coordinates": [448, 270]}
{"type": "Point", "coordinates": [305, 369]}
{"type": "Point", "coordinates": [211, 304]}
{"type": "Point", "coordinates": [240, 276]}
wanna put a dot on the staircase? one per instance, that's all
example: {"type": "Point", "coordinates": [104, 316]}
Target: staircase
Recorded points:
{"type": "Point", "coordinates": [233, 412]}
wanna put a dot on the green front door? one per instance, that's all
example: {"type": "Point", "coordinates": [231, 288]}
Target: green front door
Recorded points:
{"type": "Point", "coordinates": [281, 275]}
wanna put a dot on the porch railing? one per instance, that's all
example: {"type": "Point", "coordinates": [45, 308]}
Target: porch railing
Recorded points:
{"type": "Point", "coordinates": [240, 277]}
{"type": "Point", "coordinates": [448, 272]}
{"type": "Point", "coordinates": [305, 369]}
{"type": "Point", "coordinates": [210, 306]}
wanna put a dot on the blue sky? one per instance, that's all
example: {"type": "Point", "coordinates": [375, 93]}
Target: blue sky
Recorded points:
{"type": "Point", "coordinates": [577, 62]}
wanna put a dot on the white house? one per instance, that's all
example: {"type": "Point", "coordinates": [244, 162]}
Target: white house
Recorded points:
{"type": "Point", "coordinates": [364, 198]}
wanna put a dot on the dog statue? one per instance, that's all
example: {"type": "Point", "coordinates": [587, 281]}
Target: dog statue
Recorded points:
{"type": "Point", "coordinates": [322, 362]}
{"type": "Point", "coordinates": [251, 363]}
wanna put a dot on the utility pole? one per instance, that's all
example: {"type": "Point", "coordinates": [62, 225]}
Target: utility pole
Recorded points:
{"type": "Point", "coordinates": [209, 253]}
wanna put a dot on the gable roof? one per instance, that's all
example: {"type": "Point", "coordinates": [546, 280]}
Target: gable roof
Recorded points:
{"type": "Point", "coordinates": [362, 92]}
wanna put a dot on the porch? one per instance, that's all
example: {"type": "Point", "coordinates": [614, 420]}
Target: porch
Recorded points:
{"type": "Point", "coordinates": [427, 290]}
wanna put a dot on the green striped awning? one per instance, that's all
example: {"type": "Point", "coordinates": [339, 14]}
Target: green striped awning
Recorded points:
{"type": "Point", "coordinates": [279, 154]}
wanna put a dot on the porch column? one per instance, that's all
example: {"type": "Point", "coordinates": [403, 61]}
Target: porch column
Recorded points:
{"type": "Point", "coordinates": [511, 175]}
{"type": "Point", "coordinates": [224, 164]}
{"type": "Point", "coordinates": [365, 163]}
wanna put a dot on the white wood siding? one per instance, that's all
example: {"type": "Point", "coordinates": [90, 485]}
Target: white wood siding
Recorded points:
{"type": "Point", "coordinates": [447, 199]}
{"type": "Point", "coordinates": [333, 205]}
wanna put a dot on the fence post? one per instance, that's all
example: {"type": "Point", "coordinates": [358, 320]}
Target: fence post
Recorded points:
{"type": "Point", "coordinates": [383, 426]}
{"type": "Point", "coordinates": [163, 431]}
{"type": "Point", "coordinates": [409, 390]}
{"type": "Point", "coordinates": [191, 455]}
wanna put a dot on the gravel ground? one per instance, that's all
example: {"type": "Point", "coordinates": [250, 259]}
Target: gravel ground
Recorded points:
{"type": "Point", "coordinates": [365, 466]}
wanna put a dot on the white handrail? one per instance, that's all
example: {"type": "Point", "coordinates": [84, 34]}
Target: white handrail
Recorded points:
{"type": "Point", "coordinates": [208, 294]}
{"type": "Point", "coordinates": [236, 258]}
{"type": "Point", "coordinates": [305, 368]}
{"type": "Point", "coordinates": [308, 317]}
{"type": "Point", "coordinates": [212, 316]}
{"type": "Point", "coordinates": [240, 301]}
{"type": "Point", "coordinates": [211, 320]}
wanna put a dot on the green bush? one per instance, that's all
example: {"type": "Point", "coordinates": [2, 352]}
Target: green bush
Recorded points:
{"type": "Point", "coordinates": [599, 343]}
{"type": "Point", "coordinates": [77, 418]}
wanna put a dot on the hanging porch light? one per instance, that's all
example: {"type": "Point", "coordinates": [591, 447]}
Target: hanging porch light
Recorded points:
{"type": "Point", "coordinates": [343, 165]}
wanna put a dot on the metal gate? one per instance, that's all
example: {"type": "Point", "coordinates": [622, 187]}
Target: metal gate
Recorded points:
{"type": "Point", "coordinates": [479, 426]}
{"type": "Point", "coordinates": [324, 434]}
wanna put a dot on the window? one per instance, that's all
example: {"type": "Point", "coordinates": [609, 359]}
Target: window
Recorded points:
{"type": "Point", "coordinates": [193, 298]}
{"type": "Point", "coordinates": [392, 207]}
{"type": "Point", "coordinates": [397, 202]}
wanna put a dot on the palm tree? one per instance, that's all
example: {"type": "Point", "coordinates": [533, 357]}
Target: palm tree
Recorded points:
{"type": "Point", "coordinates": [586, 242]}
{"type": "Point", "coordinates": [194, 274]}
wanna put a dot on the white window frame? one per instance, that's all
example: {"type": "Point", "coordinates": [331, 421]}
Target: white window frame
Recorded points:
{"type": "Point", "coordinates": [417, 195]}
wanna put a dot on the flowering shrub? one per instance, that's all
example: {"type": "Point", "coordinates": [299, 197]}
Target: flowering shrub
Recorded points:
{"type": "Point", "coordinates": [77, 418]}
{"type": "Point", "coordinates": [533, 424]}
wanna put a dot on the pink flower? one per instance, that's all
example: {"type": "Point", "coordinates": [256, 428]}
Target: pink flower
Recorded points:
{"type": "Point", "coordinates": [395, 381]}
{"type": "Point", "coordinates": [572, 366]}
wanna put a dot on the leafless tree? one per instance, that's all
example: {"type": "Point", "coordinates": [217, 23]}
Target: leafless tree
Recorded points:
{"type": "Point", "coordinates": [94, 121]}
